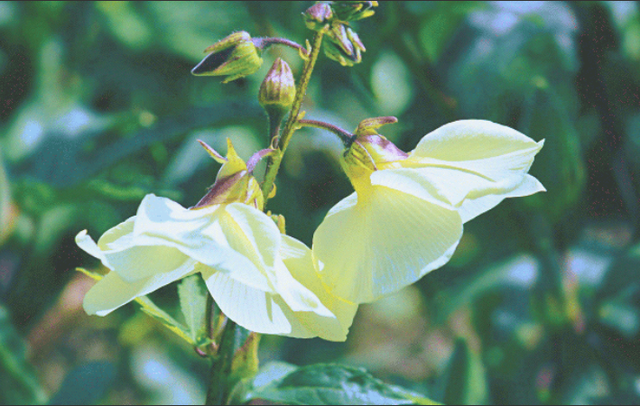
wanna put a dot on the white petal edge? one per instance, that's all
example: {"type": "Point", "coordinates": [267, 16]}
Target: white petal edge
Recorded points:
{"type": "Point", "coordinates": [471, 208]}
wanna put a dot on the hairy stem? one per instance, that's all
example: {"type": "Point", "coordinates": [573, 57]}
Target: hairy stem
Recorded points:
{"type": "Point", "coordinates": [345, 136]}
{"type": "Point", "coordinates": [273, 165]}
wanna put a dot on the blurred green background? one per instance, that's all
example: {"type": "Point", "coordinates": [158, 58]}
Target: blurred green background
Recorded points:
{"type": "Point", "coordinates": [540, 303]}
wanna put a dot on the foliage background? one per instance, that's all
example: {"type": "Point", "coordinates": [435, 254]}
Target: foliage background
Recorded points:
{"type": "Point", "coordinates": [541, 302]}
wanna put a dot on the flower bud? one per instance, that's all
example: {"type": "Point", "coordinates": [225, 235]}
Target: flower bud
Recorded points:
{"type": "Point", "coordinates": [353, 10]}
{"type": "Point", "coordinates": [234, 182]}
{"type": "Point", "coordinates": [317, 16]}
{"type": "Point", "coordinates": [278, 90]}
{"type": "Point", "coordinates": [235, 56]}
{"type": "Point", "coordinates": [344, 45]}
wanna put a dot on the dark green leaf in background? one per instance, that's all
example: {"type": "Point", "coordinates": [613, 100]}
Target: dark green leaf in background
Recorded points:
{"type": "Point", "coordinates": [326, 384]}
{"type": "Point", "coordinates": [18, 381]}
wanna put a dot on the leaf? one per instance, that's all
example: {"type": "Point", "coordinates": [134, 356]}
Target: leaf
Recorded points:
{"type": "Point", "coordinates": [154, 311]}
{"type": "Point", "coordinates": [193, 303]}
{"type": "Point", "coordinates": [169, 322]}
{"type": "Point", "coordinates": [466, 381]}
{"type": "Point", "coordinates": [328, 384]}
{"type": "Point", "coordinates": [18, 382]}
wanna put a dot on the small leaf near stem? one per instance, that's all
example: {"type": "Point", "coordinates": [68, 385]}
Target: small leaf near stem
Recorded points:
{"type": "Point", "coordinates": [274, 161]}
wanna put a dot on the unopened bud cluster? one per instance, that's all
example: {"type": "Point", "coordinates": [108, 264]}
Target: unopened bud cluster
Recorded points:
{"type": "Point", "coordinates": [344, 45]}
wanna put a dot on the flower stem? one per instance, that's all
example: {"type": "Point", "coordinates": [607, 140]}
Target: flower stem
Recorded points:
{"type": "Point", "coordinates": [273, 165]}
{"type": "Point", "coordinates": [218, 391]}
{"type": "Point", "coordinates": [265, 42]}
{"type": "Point", "coordinates": [345, 136]}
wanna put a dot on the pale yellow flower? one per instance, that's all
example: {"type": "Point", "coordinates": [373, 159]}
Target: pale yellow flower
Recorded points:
{"type": "Point", "coordinates": [406, 215]}
{"type": "Point", "coordinates": [261, 279]}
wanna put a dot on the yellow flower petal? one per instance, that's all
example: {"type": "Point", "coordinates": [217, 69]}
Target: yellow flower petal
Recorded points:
{"type": "Point", "coordinates": [386, 241]}
{"type": "Point", "coordinates": [253, 309]}
{"type": "Point", "coordinates": [221, 236]}
{"type": "Point", "coordinates": [112, 291]}
{"type": "Point", "coordinates": [298, 259]}
{"type": "Point", "coordinates": [469, 159]}
{"type": "Point", "coordinates": [471, 208]}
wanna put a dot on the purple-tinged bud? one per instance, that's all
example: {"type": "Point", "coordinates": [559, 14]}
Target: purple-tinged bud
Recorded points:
{"type": "Point", "coordinates": [235, 56]}
{"type": "Point", "coordinates": [345, 46]}
{"type": "Point", "coordinates": [317, 16]}
{"type": "Point", "coordinates": [278, 89]}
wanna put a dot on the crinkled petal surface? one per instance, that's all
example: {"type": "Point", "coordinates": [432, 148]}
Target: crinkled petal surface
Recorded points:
{"type": "Point", "coordinates": [234, 238]}
{"type": "Point", "coordinates": [469, 159]}
{"type": "Point", "coordinates": [383, 240]}
{"type": "Point", "coordinates": [253, 309]}
{"type": "Point", "coordinates": [297, 309]}
{"type": "Point", "coordinates": [335, 326]}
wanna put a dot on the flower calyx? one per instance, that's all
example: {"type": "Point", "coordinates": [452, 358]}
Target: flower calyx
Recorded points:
{"type": "Point", "coordinates": [370, 151]}
{"type": "Point", "coordinates": [234, 182]}
{"type": "Point", "coordinates": [235, 56]}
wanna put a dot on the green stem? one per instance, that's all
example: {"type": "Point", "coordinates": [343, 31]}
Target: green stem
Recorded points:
{"type": "Point", "coordinates": [217, 393]}
{"type": "Point", "coordinates": [273, 165]}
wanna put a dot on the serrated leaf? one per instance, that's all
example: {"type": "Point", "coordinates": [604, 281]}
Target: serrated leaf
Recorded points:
{"type": "Point", "coordinates": [18, 382]}
{"type": "Point", "coordinates": [154, 311]}
{"type": "Point", "coordinates": [193, 303]}
{"type": "Point", "coordinates": [328, 384]}
{"type": "Point", "coordinates": [466, 382]}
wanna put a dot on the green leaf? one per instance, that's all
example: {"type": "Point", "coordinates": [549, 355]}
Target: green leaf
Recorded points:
{"type": "Point", "coordinates": [18, 382]}
{"type": "Point", "coordinates": [193, 303]}
{"type": "Point", "coordinates": [327, 384]}
{"type": "Point", "coordinates": [466, 382]}
{"type": "Point", "coordinates": [154, 311]}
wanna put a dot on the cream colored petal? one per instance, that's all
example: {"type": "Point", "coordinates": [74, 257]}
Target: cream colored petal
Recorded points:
{"type": "Point", "coordinates": [139, 261]}
{"type": "Point", "coordinates": [387, 241]}
{"type": "Point", "coordinates": [253, 309]}
{"type": "Point", "coordinates": [298, 259]}
{"type": "Point", "coordinates": [112, 291]}
{"type": "Point", "coordinates": [471, 208]}
{"type": "Point", "coordinates": [218, 236]}
{"type": "Point", "coordinates": [86, 243]}
{"type": "Point", "coordinates": [117, 237]}
{"type": "Point", "coordinates": [259, 233]}
{"type": "Point", "coordinates": [469, 159]}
